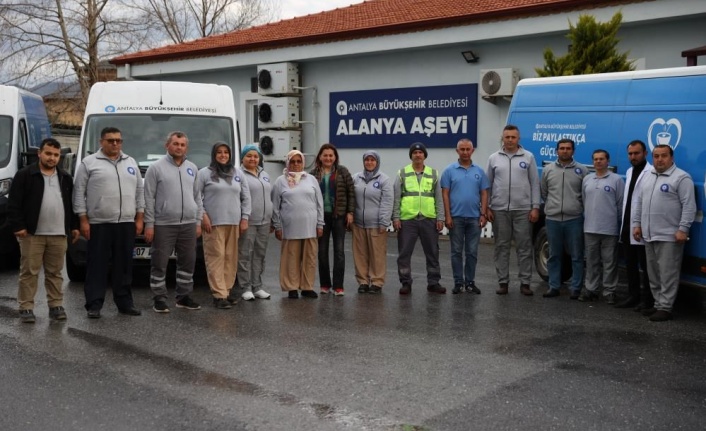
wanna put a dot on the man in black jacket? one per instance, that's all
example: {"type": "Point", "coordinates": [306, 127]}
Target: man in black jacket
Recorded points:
{"type": "Point", "coordinates": [41, 216]}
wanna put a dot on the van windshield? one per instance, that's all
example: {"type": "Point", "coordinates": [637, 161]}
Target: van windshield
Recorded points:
{"type": "Point", "coordinates": [5, 140]}
{"type": "Point", "coordinates": [144, 135]}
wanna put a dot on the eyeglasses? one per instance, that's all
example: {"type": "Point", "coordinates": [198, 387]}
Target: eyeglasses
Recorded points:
{"type": "Point", "coordinates": [113, 141]}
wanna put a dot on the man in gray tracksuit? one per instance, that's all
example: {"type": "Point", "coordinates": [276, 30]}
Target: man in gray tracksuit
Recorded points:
{"type": "Point", "coordinates": [563, 206]}
{"type": "Point", "coordinates": [513, 207]}
{"type": "Point", "coordinates": [663, 213]}
{"type": "Point", "coordinates": [172, 222]}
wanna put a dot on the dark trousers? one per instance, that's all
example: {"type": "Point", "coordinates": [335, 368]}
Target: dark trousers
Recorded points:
{"type": "Point", "coordinates": [109, 242]}
{"type": "Point", "coordinates": [425, 231]}
{"type": "Point", "coordinates": [336, 227]}
{"type": "Point", "coordinates": [638, 285]}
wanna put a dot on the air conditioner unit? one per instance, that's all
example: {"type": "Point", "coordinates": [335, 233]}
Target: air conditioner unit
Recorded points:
{"type": "Point", "coordinates": [278, 113]}
{"type": "Point", "coordinates": [498, 82]}
{"type": "Point", "coordinates": [275, 144]}
{"type": "Point", "coordinates": [278, 79]}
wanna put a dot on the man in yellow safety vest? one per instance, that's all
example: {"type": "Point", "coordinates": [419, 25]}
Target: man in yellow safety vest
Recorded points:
{"type": "Point", "coordinates": [418, 212]}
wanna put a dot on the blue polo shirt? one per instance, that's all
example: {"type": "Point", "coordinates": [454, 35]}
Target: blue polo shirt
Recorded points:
{"type": "Point", "coordinates": [464, 187]}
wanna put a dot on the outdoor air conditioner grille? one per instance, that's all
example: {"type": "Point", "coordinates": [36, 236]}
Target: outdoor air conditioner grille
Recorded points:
{"type": "Point", "coordinates": [491, 82]}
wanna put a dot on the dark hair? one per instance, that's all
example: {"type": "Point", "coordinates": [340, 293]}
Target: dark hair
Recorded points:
{"type": "Point", "coordinates": [607, 154]}
{"type": "Point", "coordinates": [327, 146]}
{"type": "Point", "coordinates": [51, 142]}
{"type": "Point", "coordinates": [178, 134]}
{"type": "Point", "coordinates": [107, 130]}
{"type": "Point", "coordinates": [566, 141]}
{"type": "Point", "coordinates": [671, 150]}
{"type": "Point", "coordinates": [511, 127]}
{"type": "Point", "coordinates": [638, 142]}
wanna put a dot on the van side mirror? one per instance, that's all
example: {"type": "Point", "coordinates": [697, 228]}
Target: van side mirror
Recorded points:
{"type": "Point", "coordinates": [68, 160]}
{"type": "Point", "coordinates": [30, 156]}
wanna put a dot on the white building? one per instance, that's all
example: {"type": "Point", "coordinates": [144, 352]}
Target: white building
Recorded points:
{"type": "Point", "coordinates": [385, 73]}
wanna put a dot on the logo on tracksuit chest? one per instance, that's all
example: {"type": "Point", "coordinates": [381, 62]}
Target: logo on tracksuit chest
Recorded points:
{"type": "Point", "coordinates": [578, 171]}
{"type": "Point", "coordinates": [523, 165]}
{"type": "Point", "coordinates": [607, 189]}
{"type": "Point", "coordinates": [664, 188]}
{"type": "Point", "coordinates": [376, 184]}
{"type": "Point", "coordinates": [131, 170]}
{"type": "Point", "coordinates": [190, 172]}
{"type": "Point", "coordinates": [237, 178]}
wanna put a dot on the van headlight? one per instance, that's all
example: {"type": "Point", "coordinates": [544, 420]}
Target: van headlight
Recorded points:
{"type": "Point", "coordinates": [5, 187]}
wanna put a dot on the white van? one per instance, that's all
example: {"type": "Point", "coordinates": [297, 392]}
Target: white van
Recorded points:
{"type": "Point", "coordinates": [23, 126]}
{"type": "Point", "coordinates": [146, 112]}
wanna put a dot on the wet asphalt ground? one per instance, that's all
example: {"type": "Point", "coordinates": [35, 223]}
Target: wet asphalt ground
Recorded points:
{"type": "Point", "coordinates": [358, 362]}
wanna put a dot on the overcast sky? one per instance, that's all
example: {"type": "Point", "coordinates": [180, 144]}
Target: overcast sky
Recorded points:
{"type": "Point", "coordinates": [292, 8]}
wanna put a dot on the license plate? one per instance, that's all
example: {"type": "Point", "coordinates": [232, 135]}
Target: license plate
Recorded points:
{"type": "Point", "coordinates": [145, 253]}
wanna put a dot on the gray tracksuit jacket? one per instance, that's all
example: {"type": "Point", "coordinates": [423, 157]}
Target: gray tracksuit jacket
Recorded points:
{"type": "Point", "coordinates": [171, 193]}
{"type": "Point", "coordinates": [561, 190]}
{"type": "Point", "coordinates": [108, 191]}
{"type": "Point", "coordinates": [225, 204]}
{"type": "Point", "coordinates": [260, 197]}
{"type": "Point", "coordinates": [665, 203]}
{"type": "Point", "coordinates": [373, 200]}
{"type": "Point", "coordinates": [514, 181]}
{"type": "Point", "coordinates": [603, 200]}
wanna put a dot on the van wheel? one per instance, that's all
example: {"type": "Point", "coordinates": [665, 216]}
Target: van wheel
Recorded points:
{"type": "Point", "coordinates": [541, 258]}
{"type": "Point", "coordinates": [541, 254]}
{"type": "Point", "coordinates": [76, 272]}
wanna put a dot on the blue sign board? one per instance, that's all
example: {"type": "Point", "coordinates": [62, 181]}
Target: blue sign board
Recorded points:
{"type": "Point", "coordinates": [395, 118]}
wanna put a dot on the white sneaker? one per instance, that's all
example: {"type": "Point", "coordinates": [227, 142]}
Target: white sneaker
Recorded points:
{"type": "Point", "coordinates": [248, 296]}
{"type": "Point", "coordinates": [261, 294]}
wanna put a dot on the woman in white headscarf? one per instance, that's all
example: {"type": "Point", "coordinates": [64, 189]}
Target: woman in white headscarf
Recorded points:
{"type": "Point", "coordinates": [298, 220]}
{"type": "Point", "coordinates": [373, 212]}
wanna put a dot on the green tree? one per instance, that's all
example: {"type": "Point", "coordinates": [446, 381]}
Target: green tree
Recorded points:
{"type": "Point", "coordinates": [593, 49]}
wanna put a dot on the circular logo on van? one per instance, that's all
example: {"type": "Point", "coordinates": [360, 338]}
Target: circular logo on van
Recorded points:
{"type": "Point", "coordinates": [110, 108]}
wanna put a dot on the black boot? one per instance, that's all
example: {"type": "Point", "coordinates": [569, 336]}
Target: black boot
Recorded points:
{"type": "Point", "coordinates": [629, 302]}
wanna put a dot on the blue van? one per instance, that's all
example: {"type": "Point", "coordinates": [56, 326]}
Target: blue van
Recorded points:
{"type": "Point", "coordinates": [661, 106]}
{"type": "Point", "coordinates": [23, 126]}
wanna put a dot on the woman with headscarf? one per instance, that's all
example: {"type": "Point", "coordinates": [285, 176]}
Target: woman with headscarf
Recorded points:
{"type": "Point", "coordinates": [226, 203]}
{"type": "Point", "coordinates": [373, 211]}
{"type": "Point", "coordinates": [298, 220]}
{"type": "Point", "coordinates": [336, 186]}
{"type": "Point", "coordinates": [252, 245]}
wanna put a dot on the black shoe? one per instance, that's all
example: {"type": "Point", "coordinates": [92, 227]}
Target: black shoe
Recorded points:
{"type": "Point", "coordinates": [551, 293]}
{"type": "Point", "coordinates": [436, 288]}
{"type": "Point", "coordinates": [293, 294]}
{"type": "Point", "coordinates": [502, 289]}
{"type": "Point", "coordinates": [27, 316]}
{"type": "Point", "coordinates": [406, 289]}
{"type": "Point", "coordinates": [93, 314]}
{"type": "Point", "coordinates": [232, 300]}
{"type": "Point", "coordinates": [628, 302]}
{"type": "Point", "coordinates": [130, 311]}
{"type": "Point", "coordinates": [661, 316]}
{"type": "Point", "coordinates": [525, 290]}
{"type": "Point", "coordinates": [642, 306]}
{"type": "Point", "coordinates": [309, 294]}
{"type": "Point", "coordinates": [57, 313]}
{"type": "Point", "coordinates": [363, 288]}
{"type": "Point", "coordinates": [472, 288]}
{"type": "Point", "coordinates": [160, 307]}
{"type": "Point", "coordinates": [188, 303]}
{"type": "Point", "coordinates": [609, 298]}
{"type": "Point", "coordinates": [458, 288]}
{"type": "Point", "coordinates": [222, 304]}
{"type": "Point", "coordinates": [575, 294]}
{"type": "Point", "coordinates": [649, 311]}
{"type": "Point", "coordinates": [375, 289]}
{"type": "Point", "coordinates": [587, 296]}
